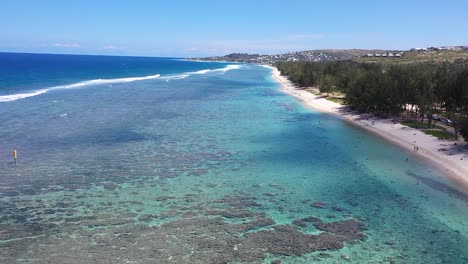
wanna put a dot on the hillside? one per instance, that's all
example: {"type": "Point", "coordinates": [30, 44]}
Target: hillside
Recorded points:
{"type": "Point", "coordinates": [419, 56]}
{"type": "Point", "coordinates": [358, 55]}
{"type": "Point", "coordinates": [308, 55]}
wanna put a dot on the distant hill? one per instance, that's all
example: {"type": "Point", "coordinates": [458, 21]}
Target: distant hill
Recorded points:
{"type": "Point", "coordinates": [420, 56]}
{"type": "Point", "coordinates": [308, 55]}
{"type": "Point", "coordinates": [359, 55]}
{"type": "Point", "coordinates": [353, 52]}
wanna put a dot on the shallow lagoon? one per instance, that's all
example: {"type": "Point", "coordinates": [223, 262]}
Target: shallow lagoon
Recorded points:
{"type": "Point", "coordinates": [216, 167]}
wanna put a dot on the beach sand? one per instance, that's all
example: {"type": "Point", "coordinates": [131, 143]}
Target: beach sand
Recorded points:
{"type": "Point", "coordinates": [453, 161]}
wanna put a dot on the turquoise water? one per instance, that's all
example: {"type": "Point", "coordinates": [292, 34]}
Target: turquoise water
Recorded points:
{"type": "Point", "coordinates": [213, 167]}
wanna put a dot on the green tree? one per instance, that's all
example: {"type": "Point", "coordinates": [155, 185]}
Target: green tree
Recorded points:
{"type": "Point", "coordinates": [326, 84]}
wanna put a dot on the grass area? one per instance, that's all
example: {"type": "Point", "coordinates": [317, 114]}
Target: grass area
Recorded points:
{"type": "Point", "coordinates": [338, 100]}
{"type": "Point", "coordinates": [421, 125]}
{"type": "Point", "coordinates": [439, 134]}
{"type": "Point", "coordinates": [313, 91]}
{"type": "Point", "coordinates": [445, 114]}
{"type": "Point", "coordinates": [414, 57]}
{"type": "Point", "coordinates": [436, 131]}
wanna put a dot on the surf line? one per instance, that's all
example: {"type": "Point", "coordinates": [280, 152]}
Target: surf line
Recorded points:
{"type": "Point", "coordinates": [14, 97]}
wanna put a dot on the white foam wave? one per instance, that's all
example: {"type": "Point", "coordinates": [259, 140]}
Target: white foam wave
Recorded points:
{"type": "Point", "coordinates": [223, 70]}
{"type": "Point", "coordinates": [14, 97]}
{"type": "Point", "coordinates": [104, 81]}
{"type": "Point", "coordinates": [175, 77]}
{"type": "Point", "coordinates": [230, 67]}
{"type": "Point", "coordinates": [200, 72]}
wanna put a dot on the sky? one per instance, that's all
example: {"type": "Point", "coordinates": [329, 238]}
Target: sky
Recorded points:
{"type": "Point", "coordinates": [178, 28]}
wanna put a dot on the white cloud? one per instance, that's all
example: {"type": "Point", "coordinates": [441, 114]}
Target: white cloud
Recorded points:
{"type": "Point", "coordinates": [192, 49]}
{"type": "Point", "coordinates": [67, 45]}
{"type": "Point", "coordinates": [113, 47]}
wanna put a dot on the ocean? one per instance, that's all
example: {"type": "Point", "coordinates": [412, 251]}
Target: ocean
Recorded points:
{"type": "Point", "coordinates": [163, 160]}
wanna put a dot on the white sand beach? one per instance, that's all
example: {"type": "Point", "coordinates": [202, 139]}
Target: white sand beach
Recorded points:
{"type": "Point", "coordinates": [450, 156]}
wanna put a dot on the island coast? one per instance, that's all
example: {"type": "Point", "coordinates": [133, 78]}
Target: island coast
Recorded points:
{"type": "Point", "coordinates": [453, 161]}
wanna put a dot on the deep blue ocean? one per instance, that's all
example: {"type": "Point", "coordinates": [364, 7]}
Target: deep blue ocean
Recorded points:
{"type": "Point", "coordinates": [162, 160]}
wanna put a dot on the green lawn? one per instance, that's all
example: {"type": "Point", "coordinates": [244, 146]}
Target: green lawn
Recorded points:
{"type": "Point", "coordinates": [439, 134]}
{"type": "Point", "coordinates": [415, 57]}
{"type": "Point", "coordinates": [420, 125]}
{"type": "Point", "coordinates": [340, 101]}
{"type": "Point", "coordinates": [314, 92]}
{"type": "Point", "coordinates": [436, 131]}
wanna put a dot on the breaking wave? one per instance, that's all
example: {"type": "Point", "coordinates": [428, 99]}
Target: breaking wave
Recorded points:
{"type": "Point", "coordinates": [187, 74]}
{"type": "Point", "coordinates": [14, 97]}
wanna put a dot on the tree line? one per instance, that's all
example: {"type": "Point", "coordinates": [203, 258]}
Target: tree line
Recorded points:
{"type": "Point", "coordinates": [424, 89]}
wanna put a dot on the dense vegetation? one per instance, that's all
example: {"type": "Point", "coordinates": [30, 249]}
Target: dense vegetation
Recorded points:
{"type": "Point", "coordinates": [424, 90]}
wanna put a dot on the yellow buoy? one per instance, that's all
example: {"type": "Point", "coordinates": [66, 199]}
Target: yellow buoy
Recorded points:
{"type": "Point", "coordinates": [15, 155]}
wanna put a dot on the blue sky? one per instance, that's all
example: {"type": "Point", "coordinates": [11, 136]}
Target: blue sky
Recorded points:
{"type": "Point", "coordinates": [197, 28]}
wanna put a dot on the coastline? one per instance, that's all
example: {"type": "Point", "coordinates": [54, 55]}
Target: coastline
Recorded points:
{"type": "Point", "coordinates": [453, 163]}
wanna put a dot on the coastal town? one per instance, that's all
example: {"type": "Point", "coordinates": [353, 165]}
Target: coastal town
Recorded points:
{"type": "Point", "coordinates": [310, 55]}
{"type": "Point", "coordinates": [315, 56]}
{"type": "Point", "coordinates": [333, 55]}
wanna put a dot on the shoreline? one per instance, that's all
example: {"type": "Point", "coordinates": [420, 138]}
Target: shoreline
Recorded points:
{"type": "Point", "coordinates": [453, 163]}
